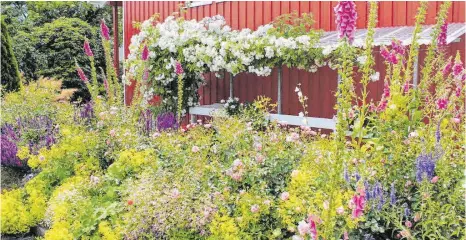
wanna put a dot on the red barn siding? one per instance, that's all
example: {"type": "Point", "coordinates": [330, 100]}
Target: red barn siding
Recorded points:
{"type": "Point", "coordinates": [319, 87]}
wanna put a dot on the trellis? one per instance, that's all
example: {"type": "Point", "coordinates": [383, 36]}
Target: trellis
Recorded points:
{"type": "Point", "coordinates": [382, 36]}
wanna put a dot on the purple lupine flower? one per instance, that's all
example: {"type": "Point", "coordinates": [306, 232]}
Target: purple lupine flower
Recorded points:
{"type": "Point", "coordinates": [166, 121]}
{"type": "Point", "coordinates": [392, 194]}
{"type": "Point", "coordinates": [407, 212]}
{"type": "Point", "coordinates": [442, 103]}
{"type": "Point", "coordinates": [85, 113]}
{"type": "Point", "coordinates": [145, 53]}
{"type": "Point", "coordinates": [87, 49]}
{"type": "Point", "coordinates": [104, 30]}
{"type": "Point", "coordinates": [178, 68]}
{"type": "Point", "coordinates": [357, 176]}
{"type": "Point", "coordinates": [442, 37]}
{"type": "Point", "coordinates": [346, 175]}
{"type": "Point", "coordinates": [438, 134]}
{"type": "Point", "coordinates": [346, 16]}
{"type": "Point", "coordinates": [425, 167]}
{"type": "Point", "coordinates": [146, 122]}
{"type": "Point", "coordinates": [367, 190]}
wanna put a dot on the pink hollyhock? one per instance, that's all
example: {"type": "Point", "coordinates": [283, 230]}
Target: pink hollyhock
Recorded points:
{"type": "Point", "coordinates": [442, 37]}
{"type": "Point", "coordinates": [386, 90]}
{"type": "Point", "coordinates": [346, 16]}
{"type": "Point", "coordinates": [447, 68]}
{"type": "Point", "coordinates": [87, 49]}
{"type": "Point", "coordinates": [145, 53]}
{"type": "Point", "coordinates": [458, 68]}
{"type": "Point", "coordinates": [81, 73]}
{"type": "Point", "coordinates": [442, 103]}
{"type": "Point", "coordinates": [313, 228]}
{"type": "Point", "coordinates": [397, 47]}
{"type": "Point", "coordinates": [358, 209]}
{"type": "Point", "coordinates": [104, 30]}
{"type": "Point", "coordinates": [178, 68]}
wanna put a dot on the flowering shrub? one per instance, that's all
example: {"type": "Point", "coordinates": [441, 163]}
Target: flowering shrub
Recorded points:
{"type": "Point", "coordinates": [232, 106]}
{"type": "Point", "coordinates": [127, 175]}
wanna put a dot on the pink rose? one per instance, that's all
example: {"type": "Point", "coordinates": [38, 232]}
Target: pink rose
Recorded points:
{"type": "Point", "coordinates": [285, 196]}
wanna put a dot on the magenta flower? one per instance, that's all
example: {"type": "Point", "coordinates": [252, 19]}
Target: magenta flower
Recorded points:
{"type": "Point", "coordinates": [87, 49]}
{"type": "Point", "coordinates": [386, 90]}
{"type": "Point", "coordinates": [358, 208]}
{"type": "Point", "coordinates": [346, 16]}
{"type": "Point", "coordinates": [81, 73]}
{"type": "Point", "coordinates": [406, 87]}
{"type": "Point", "coordinates": [178, 68]}
{"type": "Point", "coordinates": [447, 68]}
{"type": "Point", "coordinates": [145, 76]}
{"type": "Point", "coordinates": [397, 47]}
{"type": "Point", "coordinates": [442, 37]}
{"type": "Point", "coordinates": [104, 30]}
{"type": "Point", "coordinates": [313, 228]}
{"type": "Point", "coordinates": [145, 53]}
{"type": "Point", "coordinates": [442, 103]}
{"type": "Point", "coordinates": [458, 68]}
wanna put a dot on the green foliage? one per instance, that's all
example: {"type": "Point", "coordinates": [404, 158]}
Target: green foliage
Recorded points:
{"type": "Point", "coordinates": [60, 42]}
{"type": "Point", "coordinates": [11, 80]}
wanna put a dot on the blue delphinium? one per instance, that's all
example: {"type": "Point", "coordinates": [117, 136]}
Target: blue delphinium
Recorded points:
{"type": "Point", "coordinates": [392, 194]}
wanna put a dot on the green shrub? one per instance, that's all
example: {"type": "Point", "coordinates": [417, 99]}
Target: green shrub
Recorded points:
{"type": "Point", "coordinates": [59, 43]}
{"type": "Point", "coordinates": [10, 73]}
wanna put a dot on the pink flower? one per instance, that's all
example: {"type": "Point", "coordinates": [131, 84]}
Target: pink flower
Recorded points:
{"type": "Point", "coordinates": [325, 204]}
{"type": "Point", "coordinates": [341, 210]}
{"type": "Point", "coordinates": [236, 176]}
{"type": "Point", "coordinates": [112, 133]}
{"type": "Point", "coordinates": [195, 149]}
{"type": "Point", "coordinates": [442, 103]}
{"type": "Point", "coordinates": [87, 49]}
{"type": "Point", "coordinates": [406, 87]}
{"type": "Point", "coordinates": [285, 196]}
{"type": "Point", "coordinates": [417, 217]}
{"type": "Point", "coordinates": [458, 91]}
{"type": "Point", "coordinates": [145, 53]}
{"type": "Point", "coordinates": [145, 75]}
{"type": "Point", "coordinates": [385, 53]}
{"type": "Point", "coordinates": [442, 37]}
{"type": "Point", "coordinates": [104, 30]}
{"type": "Point", "coordinates": [408, 224]}
{"type": "Point", "coordinates": [346, 16]}
{"type": "Point", "coordinates": [457, 68]}
{"type": "Point", "coordinates": [259, 158]}
{"type": "Point", "coordinates": [175, 193]}
{"type": "Point", "coordinates": [386, 90]}
{"type": "Point", "coordinates": [255, 208]}
{"type": "Point", "coordinates": [345, 236]}
{"type": "Point", "coordinates": [178, 68]}
{"type": "Point", "coordinates": [313, 228]}
{"type": "Point", "coordinates": [237, 164]}
{"type": "Point", "coordinates": [358, 209]}
{"type": "Point", "coordinates": [397, 47]}
{"type": "Point", "coordinates": [81, 73]}
{"type": "Point", "coordinates": [455, 120]}
{"type": "Point", "coordinates": [434, 179]}
{"type": "Point", "coordinates": [304, 228]}
{"type": "Point", "coordinates": [447, 68]}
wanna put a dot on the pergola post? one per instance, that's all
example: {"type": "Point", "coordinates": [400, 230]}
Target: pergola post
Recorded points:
{"type": "Point", "coordinates": [279, 91]}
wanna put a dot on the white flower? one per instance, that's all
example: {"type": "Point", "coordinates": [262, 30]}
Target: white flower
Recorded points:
{"type": "Point", "coordinates": [327, 50]}
{"type": "Point", "coordinates": [301, 114]}
{"type": "Point", "coordinates": [375, 77]}
{"type": "Point", "coordinates": [362, 59]}
{"type": "Point", "coordinates": [296, 89]}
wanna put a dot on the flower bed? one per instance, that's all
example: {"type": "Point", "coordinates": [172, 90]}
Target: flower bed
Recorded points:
{"type": "Point", "coordinates": [118, 172]}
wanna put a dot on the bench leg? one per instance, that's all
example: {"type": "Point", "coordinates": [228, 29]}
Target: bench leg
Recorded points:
{"type": "Point", "coordinates": [193, 118]}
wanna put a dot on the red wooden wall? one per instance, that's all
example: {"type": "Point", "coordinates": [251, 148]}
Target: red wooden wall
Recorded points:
{"type": "Point", "coordinates": [320, 86]}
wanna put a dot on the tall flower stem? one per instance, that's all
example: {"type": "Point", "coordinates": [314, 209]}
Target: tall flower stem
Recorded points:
{"type": "Point", "coordinates": [368, 66]}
